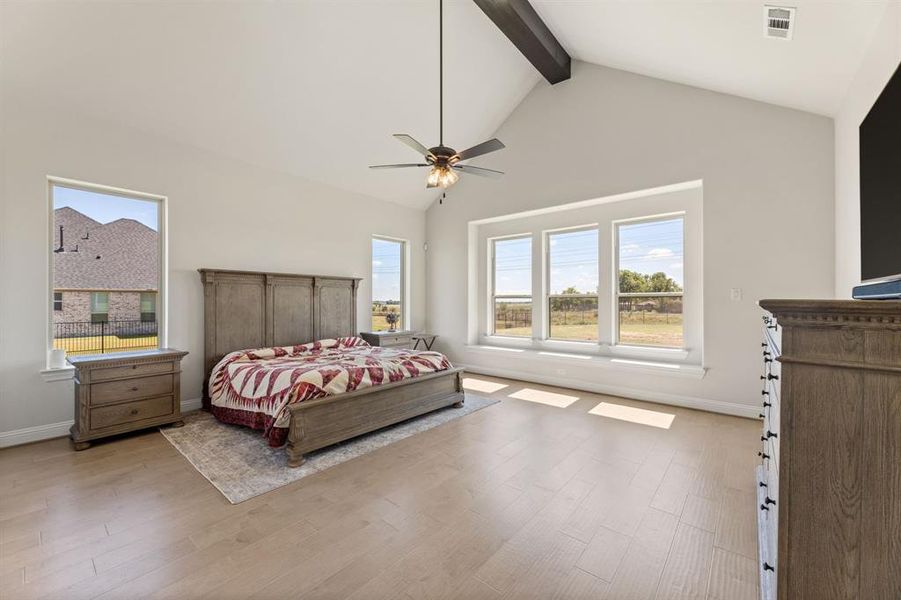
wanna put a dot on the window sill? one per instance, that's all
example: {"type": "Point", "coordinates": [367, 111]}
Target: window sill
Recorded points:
{"type": "Point", "coordinates": [593, 359]}
{"type": "Point", "coordinates": [664, 354]}
{"type": "Point", "coordinates": [60, 374]}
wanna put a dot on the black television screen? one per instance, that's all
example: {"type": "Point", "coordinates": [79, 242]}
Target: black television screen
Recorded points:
{"type": "Point", "coordinates": [880, 186]}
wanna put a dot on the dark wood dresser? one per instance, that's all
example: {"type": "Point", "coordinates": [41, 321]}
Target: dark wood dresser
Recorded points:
{"type": "Point", "coordinates": [829, 482]}
{"type": "Point", "coordinates": [117, 393]}
{"type": "Point", "coordinates": [389, 339]}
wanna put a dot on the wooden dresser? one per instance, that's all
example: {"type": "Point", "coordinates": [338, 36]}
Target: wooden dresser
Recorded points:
{"type": "Point", "coordinates": [117, 393]}
{"type": "Point", "coordinates": [829, 482]}
{"type": "Point", "coordinates": [389, 339]}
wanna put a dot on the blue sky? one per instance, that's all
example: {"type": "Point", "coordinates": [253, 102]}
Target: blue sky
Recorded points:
{"type": "Point", "coordinates": [386, 261]}
{"type": "Point", "coordinates": [105, 208]}
{"type": "Point", "coordinates": [644, 247]}
{"type": "Point", "coordinates": [652, 247]}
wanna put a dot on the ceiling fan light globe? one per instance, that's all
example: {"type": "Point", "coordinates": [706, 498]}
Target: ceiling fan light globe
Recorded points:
{"type": "Point", "coordinates": [449, 178]}
{"type": "Point", "coordinates": [442, 176]}
{"type": "Point", "coordinates": [434, 176]}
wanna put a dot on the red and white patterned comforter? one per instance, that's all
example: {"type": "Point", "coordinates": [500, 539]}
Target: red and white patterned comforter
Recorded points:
{"type": "Point", "coordinates": [255, 387]}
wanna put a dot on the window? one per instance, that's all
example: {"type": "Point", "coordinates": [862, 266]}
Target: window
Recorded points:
{"type": "Point", "coordinates": [650, 282]}
{"type": "Point", "coordinates": [511, 286]}
{"type": "Point", "coordinates": [99, 307]}
{"type": "Point", "coordinates": [148, 307]}
{"type": "Point", "coordinates": [106, 251]}
{"type": "Point", "coordinates": [388, 284]}
{"type": "Point", "coordinates": [572, 292]}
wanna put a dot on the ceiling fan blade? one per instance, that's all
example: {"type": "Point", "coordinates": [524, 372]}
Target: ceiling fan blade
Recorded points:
{"type": "Point", "coordinates": [400, 166]}
{"type": "Point", "coordinates": [409, 141]}
{"type": "Point", "coordinates": [479, 171]}
{"type": "Point", "coordinates": [483, 148]}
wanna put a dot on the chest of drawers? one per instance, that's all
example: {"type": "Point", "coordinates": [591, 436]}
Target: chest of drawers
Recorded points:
{"type": "Point", "coordinates": [389, 339]}
{"type": "Point", "coordinates": [117, 393]}
{"type": "Point", "coordinates": [829, 479]}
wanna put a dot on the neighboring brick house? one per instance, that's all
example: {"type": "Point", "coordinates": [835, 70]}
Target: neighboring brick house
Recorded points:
{"type": "Point", "coordinates": [104, 272]}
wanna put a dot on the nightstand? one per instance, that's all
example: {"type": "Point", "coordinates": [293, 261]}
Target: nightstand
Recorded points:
{"type": "Point", "coordinates": [117, 393]}
{"type": "Point", "coordinates": [389, 339]}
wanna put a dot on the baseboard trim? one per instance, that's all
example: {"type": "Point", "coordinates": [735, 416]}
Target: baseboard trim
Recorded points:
{"type": "Point", "coordinates": [726, 408]}
{"type": "Point", "coordinates": [38, 433]}
{"type": "Point", "coordinates": [191, 404]}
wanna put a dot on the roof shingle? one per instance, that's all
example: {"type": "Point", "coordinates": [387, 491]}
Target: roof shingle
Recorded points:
{"type": "Point", "coordinates": [120, 255]}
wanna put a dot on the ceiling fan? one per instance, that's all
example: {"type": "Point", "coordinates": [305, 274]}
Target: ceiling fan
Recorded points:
{"type": "Point", "coordinates": [444, 162]}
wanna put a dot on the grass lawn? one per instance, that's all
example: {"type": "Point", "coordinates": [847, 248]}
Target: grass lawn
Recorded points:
{"type": "Point", "coordinates": [651, 334]}
{"type": "Point", "coordinates": [380, 324]}
{"type": "Point", "coordinates": [642, 329]}
{"type": "Point", "coordinates": [111, 343]}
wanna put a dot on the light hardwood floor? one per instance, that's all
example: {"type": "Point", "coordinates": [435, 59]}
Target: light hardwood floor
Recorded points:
{"type": "Point", "coordinates": [525, 499]}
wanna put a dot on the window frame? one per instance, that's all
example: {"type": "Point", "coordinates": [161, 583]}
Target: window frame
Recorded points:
{"type": "Point", "coordinates": [57, 302]}
{"type": "Point", "coordinates": [492, 285]}
{"type": "Point", "coordinates": [405, 312]}
{"type": "Point", "coordinates": [616, 294]}
{"type": "Point", "coordinates": [546, 308]}
{"type": "Point", "coordinates": [684, 199]}
{"type": "Point", "coordinates": [163, 244]}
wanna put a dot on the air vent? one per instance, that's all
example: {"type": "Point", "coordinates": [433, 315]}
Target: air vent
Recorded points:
{"type": "Point", "coordinates": [778, 22]}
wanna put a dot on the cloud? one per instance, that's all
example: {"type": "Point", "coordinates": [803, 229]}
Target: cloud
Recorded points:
{"type": "Point", "coordinates": [677, 266]}
{"type": "Point", "coordinates": [629, 248]}
{"type": "Point", "coordinates": [659, 253]}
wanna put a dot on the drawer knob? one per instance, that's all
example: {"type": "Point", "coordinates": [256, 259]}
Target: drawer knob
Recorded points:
{"type": "Point", "coordinates": [766, 352]}
{"type": "Point", "coordinates": [764, 393]}
{"type": "Point", "coordinates": [768, 567]}
{"type": "Point", "coordinates": [762, 484]}
{"type": "Point", "coordinates": [767, 404]}
{"type": "Point", "coordinates": [763, 455]}
{"type": "Point", "coordinates": [769, 500]}
{"type": "Point", "coordinates": [764, 507]}
{"type": "Point", "coordinates": [134, 366]}
{"type": "Point", "coordinates": [764, 345]}
{"type": "Point", "coordinates": [761, 415]}
{"type": "Point", "coordinates": [767, 360]}
{"type": "Point", "coordinates": [134, 411]}
{"type": "Point", "coordinates": [769, 434]}
{"type": "Point", "coordinates": [769, 377]}
{"type": "Point", "coordinates": [134, 388]}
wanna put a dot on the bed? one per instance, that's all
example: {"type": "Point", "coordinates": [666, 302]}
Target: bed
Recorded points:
{"type": "Point", "coordinates": [271, 313]}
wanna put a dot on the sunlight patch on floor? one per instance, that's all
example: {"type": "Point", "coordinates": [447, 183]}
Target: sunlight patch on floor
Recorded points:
{"type": "Point", "coordinates": [633, 415]}
{"type": "Point", "coordinates": [482, 385]}
{"type": "Point", "coordinates": [542, 397]}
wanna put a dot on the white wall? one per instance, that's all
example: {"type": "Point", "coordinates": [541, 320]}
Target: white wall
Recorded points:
{"type": "Point", "coordinates": [878, 64]}
{"type": "Point", "coordinates": [768, 212]}
{"type": "Point", "coordinates": [222, 213]}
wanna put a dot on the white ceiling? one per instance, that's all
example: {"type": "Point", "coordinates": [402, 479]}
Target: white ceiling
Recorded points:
{"type": "Point", "coordinates": [314, 88]}
{"type": "Point", "coordinates": [719, 44]}
{"type": "Point", "coordinates": [317, 87]}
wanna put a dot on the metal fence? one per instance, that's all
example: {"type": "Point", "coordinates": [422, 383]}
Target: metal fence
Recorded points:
{"type": "Point", "coordinates": [85, 337]}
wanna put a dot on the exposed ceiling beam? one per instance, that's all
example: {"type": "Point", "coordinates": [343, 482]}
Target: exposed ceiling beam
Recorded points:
{"type": "Point", "coordinates": [522, 25]}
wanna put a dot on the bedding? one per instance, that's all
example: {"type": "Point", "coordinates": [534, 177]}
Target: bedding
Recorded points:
{"type": "Point", "coordinates": [255, 387]}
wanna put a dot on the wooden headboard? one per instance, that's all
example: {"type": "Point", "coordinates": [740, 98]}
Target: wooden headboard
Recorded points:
{"type": "Point", "coordinates": [252, 309]}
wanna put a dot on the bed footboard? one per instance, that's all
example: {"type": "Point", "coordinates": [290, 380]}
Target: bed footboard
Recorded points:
{"type": "Point", "coordinates": [319, 423]}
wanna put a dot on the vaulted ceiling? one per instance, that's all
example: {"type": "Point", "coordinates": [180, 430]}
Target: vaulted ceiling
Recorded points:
{"type": "Point", "coordinates": [316, 88]}
{"type": "Point", "coordinates": [719, 44]}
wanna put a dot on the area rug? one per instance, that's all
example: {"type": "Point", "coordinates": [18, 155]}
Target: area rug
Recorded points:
{"type": "Point", "coordinates": [239, 463]}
